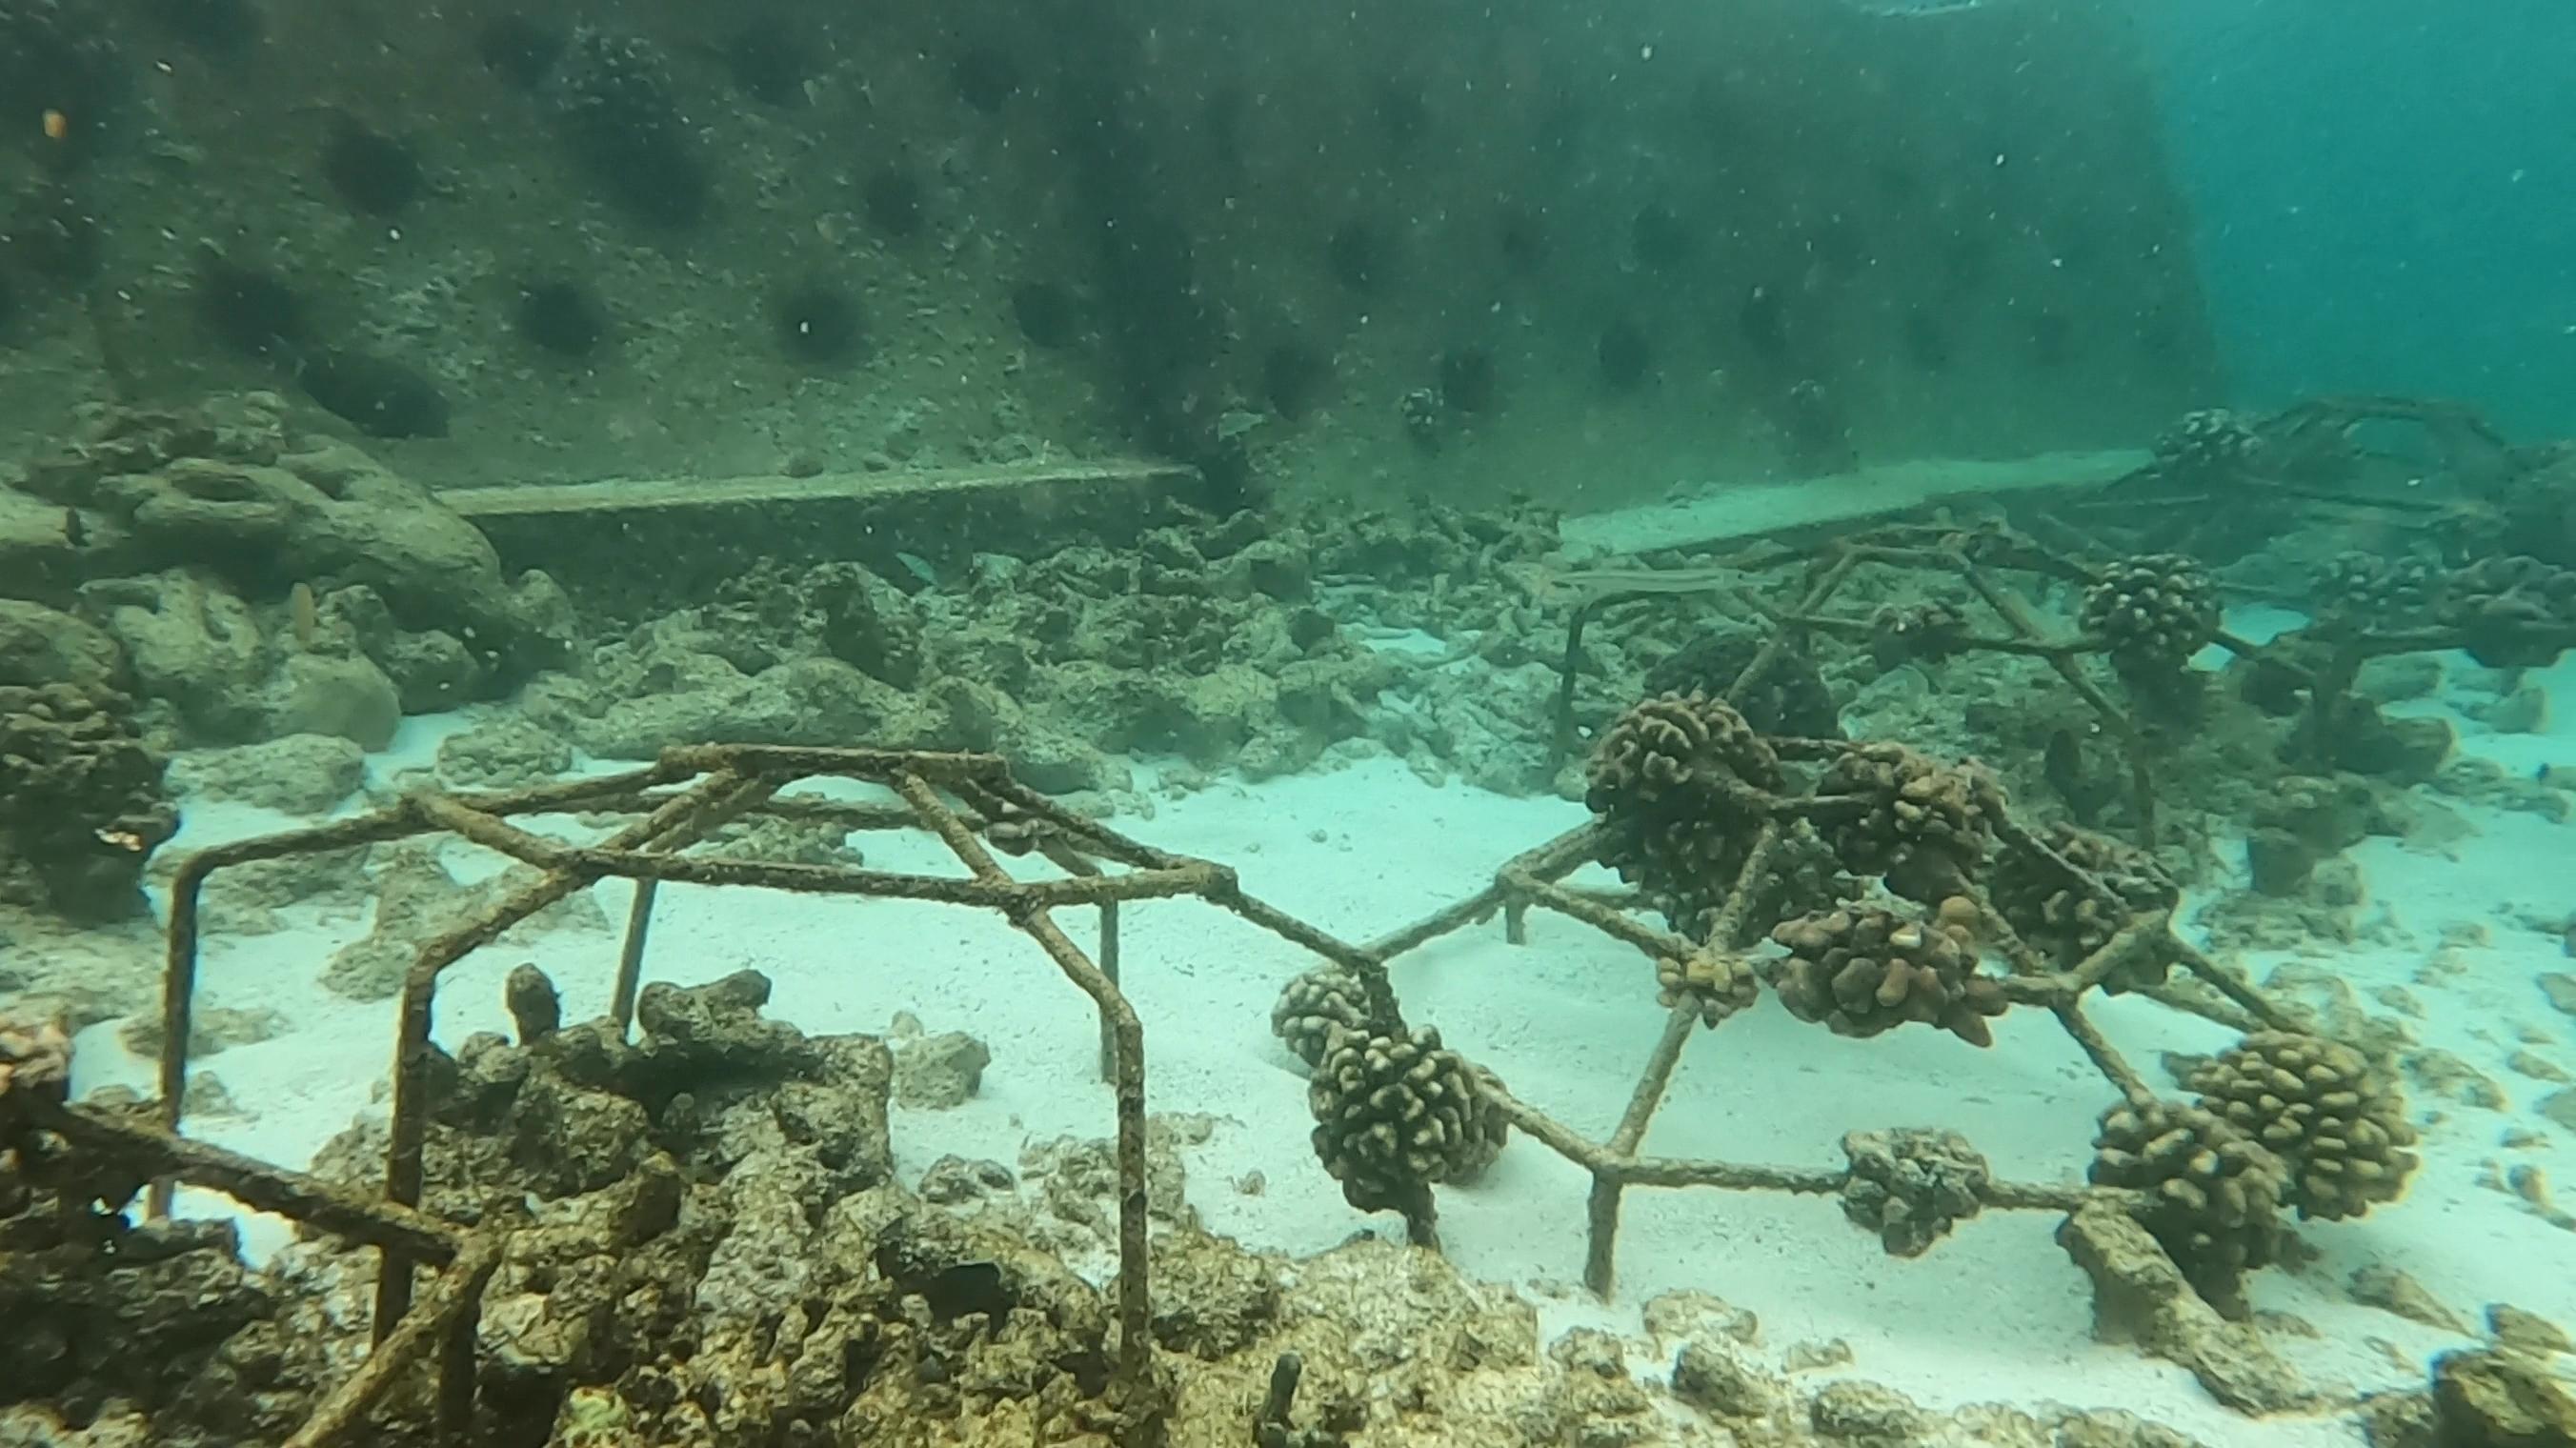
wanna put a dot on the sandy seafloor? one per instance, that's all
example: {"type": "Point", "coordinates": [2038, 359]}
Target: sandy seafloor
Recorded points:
{"type": "Point", "coordinates": [1996, 1313]}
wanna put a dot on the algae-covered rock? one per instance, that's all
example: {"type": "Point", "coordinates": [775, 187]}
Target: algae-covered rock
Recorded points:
{"type": "Point", "coordinates": [297, 773]}
{"type": "Point", "coordinates": [40, 645]}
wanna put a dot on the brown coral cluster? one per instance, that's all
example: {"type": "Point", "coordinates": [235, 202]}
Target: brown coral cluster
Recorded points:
{"type": "Point", "coordinates": [1676, 749]}
{"type": "Point", "coordinates": [81, 801]}
{"type": "Point", "coordinates": [2048, 907]}
{"type": "Point", "coordinates": [2338, 1125]}
{"type": "Point", "coordinates": [1925, 826]}
{"type": "Point", "coordinates": [1313, 1007]}
{"type": "Point", "coordinates": [1666, 781]}
{"type": "Point", "coordinates": [2207, 445]}
{"type": "Point", "coordinates": [1396, 1113]}
{"type": "Point", "coordinates": [2214, 1194]}
{"type": "Point", "coordinates": [2153, 612]}
{"type": "Point", "coordinates": [2369, 591]}
{"type": "Point", "coordinates": [1863, 970]}
{"type": "Point", "coordinates": [1789, 696]}
{"type": "Point", "coordinates": [1716, 983]}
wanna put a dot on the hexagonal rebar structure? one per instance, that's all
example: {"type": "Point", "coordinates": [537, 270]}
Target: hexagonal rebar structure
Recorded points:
{"type": "Point", "coordinates": [1974, 556]}
{"type": "Point", "coordinates": [1536, 879]}
{"type": "Point", "coordinates": [678, 801]}
{"type": "Point", "coordinates": [979, 811]}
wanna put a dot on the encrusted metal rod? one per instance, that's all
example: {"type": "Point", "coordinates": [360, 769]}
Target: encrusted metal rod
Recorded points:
{"type": "Point", "coordinates": [2131, 943]}
{"type": "Point", "coordinates": [1561, 739]}
{"type": "Point", "coordinates": [1447, 920]}
{"type": "Point", "coordinates": [1820, 592]}
{"type": "Point", "coordinates": [1073, 862]}
{"type": "Point", "coordinates": [1728, 1175]}
{"type": "Point", "coordinates": [608, 859]}
{"type": "Point", "coordinates": [674, 824]}
{"type": "Point", "coordinates": [2132, 743]}
{"type": "Point", "coordinates": [1965, 643]}
{"type": "Point", "coordinates": [566, 796]}
{"type": "Point", "coordinates": [455, 1294]}
{"type": "Point", "coordinates": [791, 761]}
{"type": "Point", "coordinates": [297, 1196]}
{"type": "Point", "coordinates": [1726, 931]}
{"type": "Point", "coordinates": [1680, 1173]}
{"type": "Point", "coordinates": [1544, 1129]}
{"type": "Point", "coordinates": [856, 815]}
{"type": "Point", "coordinates": [1600, 1269]}
{"type": "Point", "coordinates": [1089, 835]}
{"type": "Point", "coordinates": [630, 955]}
{"type": "Point", "coordinates": [2013, 833]}
{"type": "Point", "coordinates": [2106, 1059]}
{"type": "Point", "coordinates": [1358, 959]}
{"type": "Point", "coordinates": [2234, 986]}
{"type": "Point", "coordinates": [180, 954]}
{"type": "Point", "coordinates": [1127, 1041]}
{"type": "Point", "coordinates": [1558, 857]}
{"type": "Point", "coordinates": [1619, 925]}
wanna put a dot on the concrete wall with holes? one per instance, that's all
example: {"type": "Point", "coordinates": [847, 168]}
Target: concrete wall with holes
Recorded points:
{"type": "Point", "coordinates": [1601, 249]}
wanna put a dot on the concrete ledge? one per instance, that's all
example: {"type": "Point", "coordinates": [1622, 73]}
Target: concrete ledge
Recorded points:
{"type": "Point", "coordinates": [1725, 513]}
{"type": "Point", "coordinates": [657, 539]}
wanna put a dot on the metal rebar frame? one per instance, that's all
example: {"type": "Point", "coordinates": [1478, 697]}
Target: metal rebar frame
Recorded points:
{"type": "Point", "coordinates": [440, 1333]}
{"type": "Point", "coordinates": [973, 805]}
{"type": "Point", "coordinates": [1971, 555]}
{"type": "Point", "coordinates": [1536, 879]}
{"type": "Point", "coordinates": [677, 801]}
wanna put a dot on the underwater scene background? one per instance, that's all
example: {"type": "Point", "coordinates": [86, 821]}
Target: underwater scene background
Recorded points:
{"type": "Point", "coordinates": [1776, 722]}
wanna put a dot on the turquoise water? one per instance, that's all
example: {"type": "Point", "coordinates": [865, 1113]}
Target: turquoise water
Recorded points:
{"type": "Point", "coordinates": [2386, 195]}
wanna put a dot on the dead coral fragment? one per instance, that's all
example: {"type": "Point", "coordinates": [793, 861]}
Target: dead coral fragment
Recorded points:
{"type": "Point", "coordinates": [2154, 612]}
{"type": "Point", "coordinates": [1397, 1113]}
{"type": "Point", "coordinates": [1863, 970]}
{"type": "Point", "coordinates": [2486, 1398]}
{"type": "Point", "coordinates": [2214, 1193]}
{"type": "Point", "coordinates": [1927, 825]}
{"type": "Point", "coordinates": [2338, 1125]}
{"type": "Point", "coordinates": [2495, 598]}
{"type": "Point", "coordinates": [2046, 905]}
{"type": "Point", "coordinates": [36, 1059]}
{"type": "Point", "coordinates": [1912, 1186]}
{"type": "Point", "coordinates": [535, 1009]}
